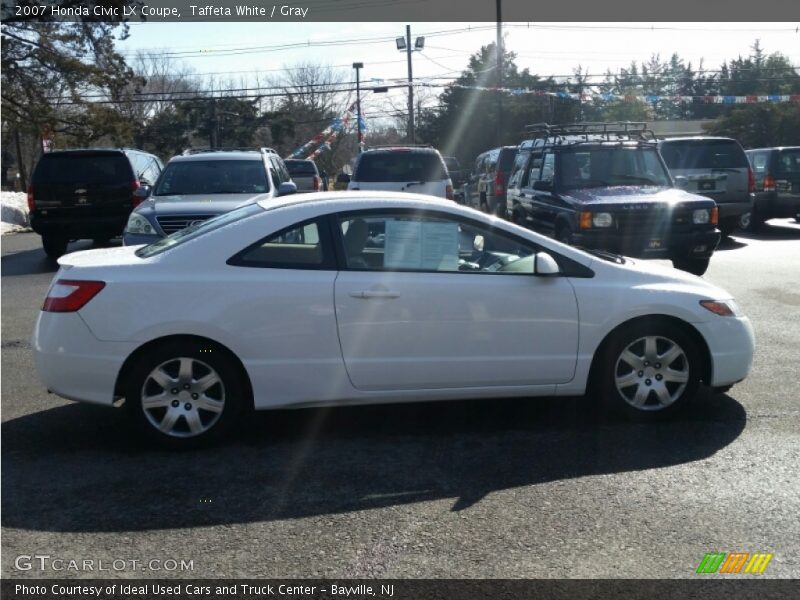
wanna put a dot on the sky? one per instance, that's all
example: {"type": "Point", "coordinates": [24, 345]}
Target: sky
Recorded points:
{"type": "Point", "coordinates": [238, 50]}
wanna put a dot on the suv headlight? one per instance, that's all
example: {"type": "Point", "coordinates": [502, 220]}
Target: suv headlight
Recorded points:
{"type": "Point", "coordinates": [602, 219]}
{"type": "Point", "coordinates": [139, 225]}
{"type": "Point", "coordinates": [701, 216]}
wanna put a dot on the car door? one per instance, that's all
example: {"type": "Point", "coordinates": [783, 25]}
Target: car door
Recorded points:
{"type": "Point", "coordinates": [422, 303]}
{"type": "Point", "coordinates": [543, 205]}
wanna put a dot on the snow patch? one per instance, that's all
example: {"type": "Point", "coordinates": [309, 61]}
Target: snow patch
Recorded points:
{"type": "Point", "coordinates": [14, 212]}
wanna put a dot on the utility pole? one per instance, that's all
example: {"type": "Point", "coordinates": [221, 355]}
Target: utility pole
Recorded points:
{"type": "Point", "coordinates": [358, 66]}
{"type": "Point", "coordinates": [214, 129]}
{"type": "Point", "coordinates": [499, 67]}
{"type": "Point", "coordinates": [411, 134]}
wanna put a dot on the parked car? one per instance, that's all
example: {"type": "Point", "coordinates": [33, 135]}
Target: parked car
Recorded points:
{"type": "Point", "coordinates": [305, 175]}
{"type": "Point", "coordinates": [456, 173]}
{"type": "Point", "coordinates": [201, 184]}
{"type": "Point", "coordinates": [86, 194]}
{"type": "Point", "coordinates": [369, 298]}
{"type": "Point", "coordinates": [487, 183]}
{"type": "Point", "coordinates": [414, 169]}
{"type": "Point", "coordinates": [777, 185]}
{"type": "Point", "coordinates": [604, 186]}
{"type": "Point", "coordinates": [715, 167]}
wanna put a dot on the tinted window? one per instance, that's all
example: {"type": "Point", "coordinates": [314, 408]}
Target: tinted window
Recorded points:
{"type": "Point", "coordinates": [789, 162]}
{"type": "Point", "coordinates": [213, 177]}
{"type": "Point", "coordinates": [301, 168]}
{"type": "Point", "coordinates": [83, 168]}
{"type": "Point", "coordinates": [704, 154]}
{"type": "Point", "coordinates": [610, 166]}
{"type": "Point", "coordinates": [399, 166]}
{"type": "Point", "coordinates": [507, 159]}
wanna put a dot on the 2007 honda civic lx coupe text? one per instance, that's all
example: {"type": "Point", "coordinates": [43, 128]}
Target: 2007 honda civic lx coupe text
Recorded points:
{"type": "Point", "coordinates": [368, 297]}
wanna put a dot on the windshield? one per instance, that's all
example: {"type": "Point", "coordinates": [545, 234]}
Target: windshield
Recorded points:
{"type": "Point", "coordinates": [83, 168]}
{"type": "Point", "coordinates": [399, 166]}
{"type": "Point", "coordinates": [611, 166]}
{"type": "Point", "coordinates": [704, 154]}
{"type": "Point", "coordinates": [195, 231]}
{"type": "Point", "coordinates": [301, 168]}
{"type": "Point", "coordinates": [213, 177]}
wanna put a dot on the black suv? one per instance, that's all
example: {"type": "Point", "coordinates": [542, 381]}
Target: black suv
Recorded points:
{"type": "Point", "coordinates": [777, 183]}
{"type": "Point", "coordinates": [604, 186]}
{"type": "Point", "coordinates": [77, 194]}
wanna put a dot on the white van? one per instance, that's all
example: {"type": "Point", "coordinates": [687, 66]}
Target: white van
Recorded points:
{"type": "Point", "coordinates": [413, 169]}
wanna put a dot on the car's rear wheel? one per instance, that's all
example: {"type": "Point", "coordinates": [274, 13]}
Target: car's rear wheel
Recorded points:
{"type": "Point", "coordinates": [750, 222]}
{"type": "Point", "coordinates": [695, 266]}
{"type": "Point", "coordinates": [183, 394]}
{"type": "Point", "coordinates": [54, 246]}
{"type": "Point", "coordinates": [650, 370]}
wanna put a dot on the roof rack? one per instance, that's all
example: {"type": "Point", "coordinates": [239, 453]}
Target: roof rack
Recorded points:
{"type": "Point", "coordinates": [612, 131]}
{"type": "Point", "coordinates": [202, 150]}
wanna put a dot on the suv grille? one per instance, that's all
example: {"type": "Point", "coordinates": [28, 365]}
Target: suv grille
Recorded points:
{"type": "Point", "coordinates": [658, 220]}
{"type": "Point", "coordinates": [172, 224]}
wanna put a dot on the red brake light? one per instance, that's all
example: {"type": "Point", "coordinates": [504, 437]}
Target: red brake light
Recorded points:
{"type": "Point", "coordinates": [499, 183]}
{"type": "Point", "coordinates": [70, 295]}
{"type": "Point", "coordinates": [317, 183]}
{"type": "Point", "coordinates": [769, 183]}
{"type": "Point", "coordinates": [31, 201]}
{"type": "Point", "coordinates": [751, 181]}
{"type": "Point", "coordinates": [135, 201]}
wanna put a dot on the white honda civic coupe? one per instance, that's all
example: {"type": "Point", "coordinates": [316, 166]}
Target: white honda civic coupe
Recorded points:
{"type": "Point", "coordinates": [371, 297]}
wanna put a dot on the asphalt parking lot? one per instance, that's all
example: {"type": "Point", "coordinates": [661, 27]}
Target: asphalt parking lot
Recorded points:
{"type": "Point", "coordinates": [488, 489]}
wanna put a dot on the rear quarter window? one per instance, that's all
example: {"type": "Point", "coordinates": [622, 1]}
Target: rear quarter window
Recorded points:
{"type": "Point", "coordinates": [788, 162]}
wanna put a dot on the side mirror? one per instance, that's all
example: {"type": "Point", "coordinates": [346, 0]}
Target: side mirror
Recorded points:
{"type": "Point", "coordinates": [681, 182]}
{"type": "Point", "coordinates": [545, 265]}
{"type": "Point", "coordinates": [543, 186]}
{"type": "Point", "coordinates": [143, 192]}
{"type": "Point", "coordinates": [286, 188]}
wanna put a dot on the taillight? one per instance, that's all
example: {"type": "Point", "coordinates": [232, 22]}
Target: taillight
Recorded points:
{"type": "Point", "coordinates": [135, 200]}
{"type": "Point", "coordinates": [316, 184]}
{"type": "Point", "coordinates": [31, 201]}
{"type": "Point", "coordinates": [499, 183]}
{"type": "Point", "coordinates": [69, 295]}
{"type": "Point", "coordinates": [448, 192]}
{"type": "Point", "coordinates": [751, 181]}
{"type": "Point", "coordinates": [769, 183]}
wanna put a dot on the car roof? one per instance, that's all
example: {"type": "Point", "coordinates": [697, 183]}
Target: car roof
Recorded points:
{"type": "Point", "coordinates": [426, 149]}
{"type": "Point", "coordinates": [696, 138]}
{"type": "Point", "coordinates": [214, 156]}
{"type": "Point", "coordinates": [779, 148]}
{"type": "Point", "coordinates": [350, 200]}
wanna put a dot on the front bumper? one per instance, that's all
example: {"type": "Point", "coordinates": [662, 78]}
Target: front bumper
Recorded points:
{"type": "Point", "coordinates": [72, 362]}
{"type": "Point", "coordinates": [689, 244]}
{"type": "Point", "coordinates": [731, 344]}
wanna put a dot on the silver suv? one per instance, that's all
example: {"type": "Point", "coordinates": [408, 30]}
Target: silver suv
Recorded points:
{"type": "Point", "coordinates": [715, 167]}
{"type": "Point", "coordinates": [414, 169]}
{"type": "Point", "coordinates": [200, 184]}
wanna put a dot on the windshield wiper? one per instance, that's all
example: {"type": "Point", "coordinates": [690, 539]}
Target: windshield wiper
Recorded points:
{"type": "Point", "coordinates": [604, 254]}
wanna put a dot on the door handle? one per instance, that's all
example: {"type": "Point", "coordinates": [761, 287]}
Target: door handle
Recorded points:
{"type": "Point", "coordinates": [366, 294]}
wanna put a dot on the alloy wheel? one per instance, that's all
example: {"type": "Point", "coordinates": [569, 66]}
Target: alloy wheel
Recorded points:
{"type": "Point", "coordinates": [651, 373]}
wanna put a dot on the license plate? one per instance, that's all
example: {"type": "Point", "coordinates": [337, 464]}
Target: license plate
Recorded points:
{"type": "Point", "coordinates": [705, 186]}
{"type": "Point", "coordinates": [654, 244]}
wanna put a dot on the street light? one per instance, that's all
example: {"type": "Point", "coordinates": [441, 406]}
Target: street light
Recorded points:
{"type": "Point", "coordinates": [358, 66]}
{"type": "Point", "coordinates": [405, 44]}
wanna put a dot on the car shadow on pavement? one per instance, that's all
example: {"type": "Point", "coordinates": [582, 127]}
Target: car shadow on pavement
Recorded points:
{"type": "Point", "coordinates": [777, 229]}
{"type": "Point", "coordinates": [78, 468]}
{"type": "Point", "coordinates": [28, 262]}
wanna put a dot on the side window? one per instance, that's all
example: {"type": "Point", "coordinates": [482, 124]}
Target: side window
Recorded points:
{"type": "Point", "coordinates": [548, 167]}
{"type": "Point", "coordinates": [137, 164]}
{"type": "Point", "coordinates": [303, 246]}
{"type": "Point", "coordinates": [273, 173]}
{"type": "Point", "coordinates": [760, 163]}
{"type": "Point", "coordinates": [413, 242]}
{"type": "Point", "coordinates": [518, 170]}
{"type": "Point", "coordinates": [534, 168]}
{"type": "Point", "coordinates": [151, 171]}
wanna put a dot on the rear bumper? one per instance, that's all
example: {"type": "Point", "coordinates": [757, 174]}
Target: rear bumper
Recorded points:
{"type": "Point", "coordinates": [691, 244]}
{"type": "Point", "coordinates": [72, 362]}
{"type": "Point", "coordinates": [776, 204]}
{"type": "Point", "coordinates": [78, 228]}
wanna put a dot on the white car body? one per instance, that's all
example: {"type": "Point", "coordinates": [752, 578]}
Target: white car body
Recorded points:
{"type": "Point", "coordinates": [311, 337]}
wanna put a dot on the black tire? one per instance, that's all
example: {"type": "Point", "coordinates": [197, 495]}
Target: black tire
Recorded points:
{"type": "Point", "coordinates": [564, 234]}
{"type": "Point", "coordinates": [695, 266]}
{"type": "Point", "coordinates": [613, 366]}
{"type": "Point", "coordinates": [54, 246]}
{"type": "Point", "coordinates": [751, 222]}
{"type": "Point", "coordinates": [727, 227]}
{"type": "Point", "coordinates": [206, 359]}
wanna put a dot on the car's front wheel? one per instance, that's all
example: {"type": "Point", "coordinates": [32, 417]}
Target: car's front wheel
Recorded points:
{"type": "Point", "coordinates": [54, 246]}
{"type": "Point", "coordinates": [695, 266]}
{"type": "Point", "coordinates": [650, 370]}
{"type": "Point", "coordinates": [183, 394]}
